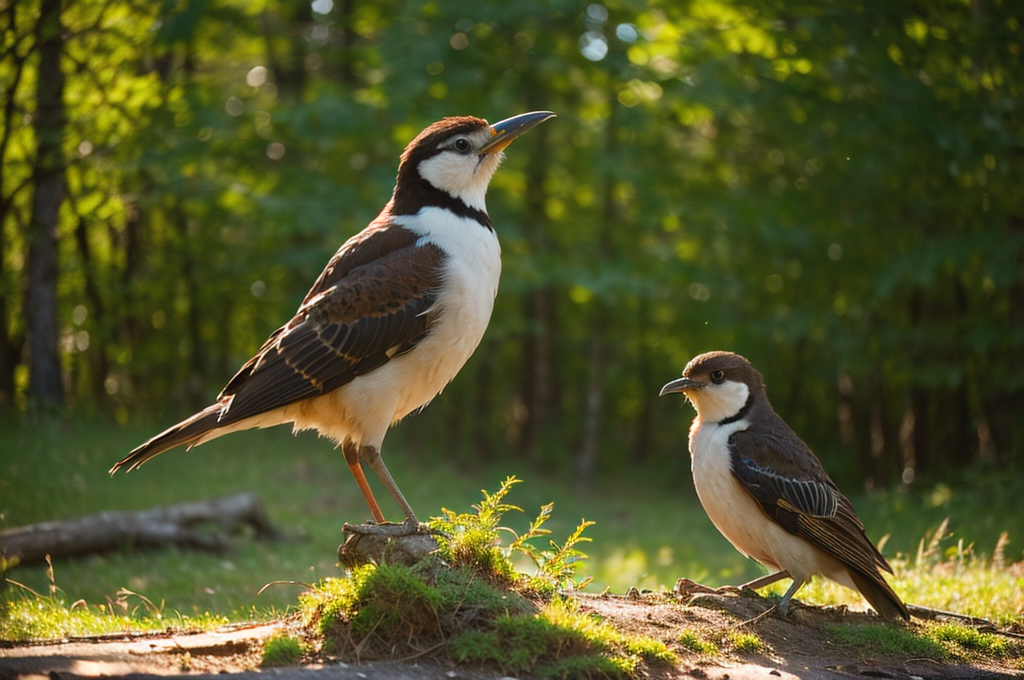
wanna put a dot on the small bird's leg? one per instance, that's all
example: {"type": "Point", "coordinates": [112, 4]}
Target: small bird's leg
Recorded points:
{"type": "Point", "coordinates": [765, 580]}
{"type": "Point", "coordinates": [351, 451]}
{"type": "Point", "coordinates": [783, 605]}
{"type": "Point", "coordinates": [371, 456]}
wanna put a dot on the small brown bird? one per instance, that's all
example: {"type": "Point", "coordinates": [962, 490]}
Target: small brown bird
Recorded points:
{"type": "Point", "coordinates": [397, 312]}
{"type": "Point", "coordinates": [768, 493]}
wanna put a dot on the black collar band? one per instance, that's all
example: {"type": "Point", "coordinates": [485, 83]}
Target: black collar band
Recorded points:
{"type": "Point", "coordinates": [741, 413]}
{"type": "Point", "coordinates": [427, 195]}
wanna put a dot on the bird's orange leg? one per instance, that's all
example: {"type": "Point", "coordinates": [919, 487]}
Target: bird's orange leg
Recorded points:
{"type": "Point", "coordinates": [351, 452]}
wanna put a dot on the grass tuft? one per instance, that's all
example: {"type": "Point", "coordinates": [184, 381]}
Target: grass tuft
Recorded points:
{"type": "Point", "coordinates": [890, 640]}
{"type": "Point", "coordinates": [696, 643]}
{"type": "Point", "coordinates": [282, 650]}
{"type": "Point", "coordinates": [559, 639]}
{"type": "Point", "coordinates": [469, 603]}
{"type": "Point", "coordinates": [744, 642]}
{"type": "Point", "coordinates": [964, 642]}
{"type": "Point", "coordinates": [31, 616]}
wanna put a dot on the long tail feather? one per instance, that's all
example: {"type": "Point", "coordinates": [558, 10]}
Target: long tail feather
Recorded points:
{"type": "Point", "coordinates": [880, 595]}
{"type": "Point", "coordinates": [186, 433]}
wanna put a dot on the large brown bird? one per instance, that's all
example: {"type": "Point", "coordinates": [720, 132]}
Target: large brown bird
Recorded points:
{"type": "Point", "coordinates": [396, 313]}
{"type": "Point", "coordinates": [767, 492]}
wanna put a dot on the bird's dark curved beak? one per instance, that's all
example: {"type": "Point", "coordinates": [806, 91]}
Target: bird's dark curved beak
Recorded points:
{"type": "Point", "coordinates": [503, 132]}
{"type": "Point", "coordinates": [680, 385]}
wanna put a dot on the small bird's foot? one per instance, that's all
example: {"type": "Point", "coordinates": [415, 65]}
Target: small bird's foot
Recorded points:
{"type": "Point", "coordinates": [687, 587]}
{"type": "Point", "coordinates": [410, 527]}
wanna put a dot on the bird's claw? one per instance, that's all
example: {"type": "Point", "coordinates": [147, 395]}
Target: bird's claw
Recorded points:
{"type": "Point", "coordinates": [686, 587]}
{"type": "Point", "coordinates": [410, 527]}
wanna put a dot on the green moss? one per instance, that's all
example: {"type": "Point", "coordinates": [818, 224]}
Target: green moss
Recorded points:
{"type": "Point", "coordinates": [690, 640]}
{"type": "Point", "coordinates": [938, 641]}
{"type": "Point", "coordinates": [394, 601]}
{"type": "Point", "coordinates": [963, 641]}
{"type": "Point", "coordinates": [470, 603]}
{"type": "Point", "coordinates": [892, 640]}
{"type": "Point", "coordinates": [744, 642]}
{"type": "Point", "coordinates": [559, 641]}
{"type": "Point", "coordinates": [282, 650]}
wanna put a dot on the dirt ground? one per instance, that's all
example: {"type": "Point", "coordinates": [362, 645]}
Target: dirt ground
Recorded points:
{"type": "Point", "coordinates": [800, 646]}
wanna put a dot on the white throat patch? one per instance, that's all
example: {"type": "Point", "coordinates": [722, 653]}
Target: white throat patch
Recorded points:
{"type": "Point", "coordinates": [718, 402]}
{"type": "Point", "coordinates": [463, 176]}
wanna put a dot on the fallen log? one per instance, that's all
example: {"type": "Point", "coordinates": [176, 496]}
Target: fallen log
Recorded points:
{"type": "Point", "coordinates": [183, 524]}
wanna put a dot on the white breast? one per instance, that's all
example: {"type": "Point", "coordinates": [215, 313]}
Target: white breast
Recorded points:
{"type": "Point", "coordinates": [365, 408]}
{"type": "Point", "coordinates": [464, 304]}
{"type": "Point", "coordinates": [740, 518]}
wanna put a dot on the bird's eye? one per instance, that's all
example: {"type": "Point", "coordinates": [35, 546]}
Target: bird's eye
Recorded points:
{"type": "Point", "coordinates": [717, 376]}
{"type": "Point", "coordinates": [462, 145]}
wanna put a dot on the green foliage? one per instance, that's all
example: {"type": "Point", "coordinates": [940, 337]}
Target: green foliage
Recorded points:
{"type": "Point", "coordinates": [469, 601]}
{"type": "Point", "coordinates": [833, 189]}
{"type": "Point", "coordinates": [471, 540]}
{"type": "Point", "coordinates": [933, 640]}
{"type": "Point", "coordinates": [966, 642]}
{"type": "Point", "coordinates": [696, 643]}
{"type": "Point", "coordinates": [282, 650]}
{"type": "Point", "coordinates": [739, 641]}
{"type": "Point", "coordinates": [28, 615]}
{"type": "Point", "coordinates": [890, 640]}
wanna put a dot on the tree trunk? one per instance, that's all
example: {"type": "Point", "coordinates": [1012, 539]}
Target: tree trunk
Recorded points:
{"type": "Point", "coordinates": [45, 383]}
{"type": "Point", "coordinates": [920, 402]}
{"type": "Point", "coordinates": [586, 460]}
{"type": "Point", "coordinates": [483, 446]}
{"type": "Point", "coordinates": [10, 348]}
{"type": "Point", "coordinates": [640, 442]}
{"type": "Point", "coordinates": [538, 385]}
{"type": "Point", "coordinates": [98, 364]}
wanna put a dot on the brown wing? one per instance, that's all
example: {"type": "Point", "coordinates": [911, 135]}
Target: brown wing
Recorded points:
{"type": "Point", "coordinates": [794, 491]}
{"type": "Point", "coordinates": [373, 302]}
{"type": "Point", "coordinates": [371, 313]}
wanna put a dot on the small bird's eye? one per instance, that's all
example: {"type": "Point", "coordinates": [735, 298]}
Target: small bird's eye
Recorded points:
{"type": "Point", "coordinates": [717, 376]}
{"type": "Point", "coordinates": [462, 145]}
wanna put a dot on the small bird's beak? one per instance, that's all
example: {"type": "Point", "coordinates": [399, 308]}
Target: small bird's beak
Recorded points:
{"type": "Point", "coordinates": [503, 132]}
{"type": "Point", "coordinates": [680, 385]}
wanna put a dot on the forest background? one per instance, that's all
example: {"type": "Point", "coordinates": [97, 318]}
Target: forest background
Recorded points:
{"type": "Point", "coordinates": [833, 189]}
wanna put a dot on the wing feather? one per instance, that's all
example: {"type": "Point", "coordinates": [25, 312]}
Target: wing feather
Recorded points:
{"type": "Point", "coordinates": [793, 489]}
{"type": "Point", "coordinates": [347, 330]}
{"type": "Point", "coordinates": [803, 500]}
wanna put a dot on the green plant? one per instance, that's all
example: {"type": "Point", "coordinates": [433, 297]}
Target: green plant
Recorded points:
{"type": "Point", "coordinates": [473, 540]}
{"type": "Point", "coordinates": [696, 643]}
{"type": "Point", "coordinates": [282, 650]}
{"type": "Point", "coordinates": [468, 602]}
{"type": "Point", "coordinates": [892, 640]}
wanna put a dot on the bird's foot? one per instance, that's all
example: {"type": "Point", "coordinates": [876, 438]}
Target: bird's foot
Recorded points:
{"type": "Point", "coordinates": [407, 543]}
{"type": "Point", "coordinates": [410, 527]}
{"type": "Point", "coordinates": [687, 587]}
